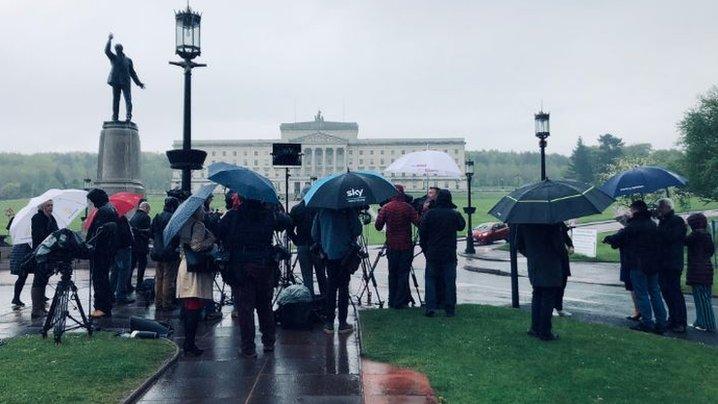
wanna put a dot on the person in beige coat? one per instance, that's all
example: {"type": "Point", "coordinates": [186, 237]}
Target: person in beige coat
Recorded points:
{"type": "Point", "coordinates": [194, 289]}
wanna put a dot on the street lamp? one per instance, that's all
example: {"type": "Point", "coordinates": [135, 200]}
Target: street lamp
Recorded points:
{"type": "Point", "coordinates": [542, 132]}
{"type": "Point", "coordinates": [187, 46]}
{"type": "Point", "coordinates": [469, 210]}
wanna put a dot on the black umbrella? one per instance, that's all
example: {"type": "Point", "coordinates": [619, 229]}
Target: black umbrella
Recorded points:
{"type": "Point", "coordinates": [551, 201]}
{"type": "Point", "coordinates": [352, 189]}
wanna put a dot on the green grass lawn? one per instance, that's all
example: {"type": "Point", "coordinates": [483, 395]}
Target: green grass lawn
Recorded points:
{"type": "Point", "coordinates": [101, 368]}
{"type": "Point", "coordinates": [484, 355]}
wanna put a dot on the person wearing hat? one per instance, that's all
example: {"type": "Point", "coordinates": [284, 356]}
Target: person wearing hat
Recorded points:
{"type": "Point", "coordinates": [101, 235]}
{"type": "Point", "coordinates": [638, 241]}
{"type": "Point", "coordinates": [398, 216]}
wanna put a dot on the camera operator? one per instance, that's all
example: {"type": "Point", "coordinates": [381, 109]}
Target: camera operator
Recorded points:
{"type": "Point", "coordinates": [336, 232]}
{"type": "Point", "coordinates": [300, 233]}
{"type": "Point", "coordinates": [42, 225]}
{"type": "Point", "coordinates": [104, 250]}
{"type": "Point", "coordinates": [247, 233]}
{"type": "Point", "coordinates": [398, 217]}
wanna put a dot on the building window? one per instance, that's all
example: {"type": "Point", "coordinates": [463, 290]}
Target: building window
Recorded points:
{"type": "Point", "coordinates": [234, 153]}
{"type": "Point", "coordinates": [381, 152]}
{"type": "Point", "coordinates": [245, 152]}
{"type": "Point", "coordinates": [256, 153]}
{"type": "Point", "coordinates": [214, 153]}
{"type": "Point", "coordinates": [403, 152]}
{"type": "Point", "coordinates": [256, 162]}
{"type": "Point", "coordinates": [361, 161]}
{"type": "Point", "coordinates": [224, 153]}
{"type": "Point", "coordinates": [245, 162]}
{"type": "Point", "coordinates": [361, 152]}
{"type": "Point", "coordinates": [392, 152]}
{"type": "Point", "coordinates": [371, 152]}
{"type": "Point", "coordinates": [381, 161]}
{"type": "Point", "coordinates": [351, 152]}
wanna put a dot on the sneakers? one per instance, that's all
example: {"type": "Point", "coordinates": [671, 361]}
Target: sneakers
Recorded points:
{"type": "Point", "coordinates": [564, 313]}
{"type": "Point", "coordinates": [679, 329]}
{"type": "Point", "coordinates": [17, 303]}
{"type": "Point", "coordinates": [249, 354]}
{"type": "Point", "coordinates": [699, 327]}
{"type": "Point", "coordinates": [99, 314]}
{"type": "Point", "coordinates": [345, 329]}
{"type": "Point", "coordinates": [636, 317]}
{"type": "Point", "coordinates": [643, 328]}
{"type": "Point", "coordinates": [193, 351]}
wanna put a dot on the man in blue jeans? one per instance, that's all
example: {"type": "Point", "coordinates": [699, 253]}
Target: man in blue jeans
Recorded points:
{"type": "Point", "coordinates": [123, 262]}
{"type": "Point", "coordinates": [639, 243]}
{"type": "Point", "coordinates": [437, 237]}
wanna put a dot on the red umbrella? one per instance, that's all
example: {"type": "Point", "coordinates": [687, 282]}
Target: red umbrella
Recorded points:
{"type": "Point", "coordinates": [123, 203]}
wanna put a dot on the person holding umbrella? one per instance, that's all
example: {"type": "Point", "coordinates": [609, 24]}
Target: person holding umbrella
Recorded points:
{"type": "Point", "coordinates": [43, 224]}
{"type": "Point", "coordinates": [166, 256]}
{"type": "Point", "coordinates": [437, 237]}
{"type": "Point", "coordinates": [336, 228]}
{"type": "Point", "coordinates": [672, 230]}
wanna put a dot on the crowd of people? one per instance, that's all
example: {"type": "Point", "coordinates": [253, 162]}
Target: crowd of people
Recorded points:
{"type": "Point", "coordinates": [652, 260]}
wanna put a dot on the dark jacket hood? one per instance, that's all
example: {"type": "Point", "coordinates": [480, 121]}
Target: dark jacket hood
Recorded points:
{"type": "Point", "coordinates": [443, 199]}
{"type": "Point", "coordinates": [98, 197]}
{"type": "Point", "coordinates": [171, 204]}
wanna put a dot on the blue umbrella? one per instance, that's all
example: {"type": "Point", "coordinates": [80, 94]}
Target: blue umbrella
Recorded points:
{"type": "Point", "coordinates": [243, 181]}
{"type": "Point", "coordinates": [642, 180]}
{"type": "Point", "coordinates": [185, 211]}
{"type": "Point", "coordinates": [349, 190]}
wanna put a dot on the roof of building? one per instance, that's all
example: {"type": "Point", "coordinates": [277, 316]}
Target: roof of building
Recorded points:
{"type": "Point", "coordinates": [319, 124]}
{"type": "Point", "coordinates": [355, 142]}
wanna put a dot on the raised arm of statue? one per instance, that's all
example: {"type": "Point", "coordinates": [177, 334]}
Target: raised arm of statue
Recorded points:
{"type": "Point", "coordinates": [108, 52]}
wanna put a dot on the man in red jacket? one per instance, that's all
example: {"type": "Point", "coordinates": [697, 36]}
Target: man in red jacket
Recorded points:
{"type": "Point", "coordinates": [398, 215]}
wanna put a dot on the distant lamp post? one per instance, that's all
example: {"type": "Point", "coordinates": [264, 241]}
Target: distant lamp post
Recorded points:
{"type": "Point", "coordinates": [543, 131]}
{"type": "Point", "coordinates": [87, 183]}
{"type": "Point", "coordinates": [187, 46]}
{"type": "Point", "coordinates": [469, 210]}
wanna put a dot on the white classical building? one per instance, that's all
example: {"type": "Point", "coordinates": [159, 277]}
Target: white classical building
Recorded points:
{"type": "Point", "coordinates": [327, 148]}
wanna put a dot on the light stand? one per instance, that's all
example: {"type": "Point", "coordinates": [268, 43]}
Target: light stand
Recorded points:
{"type": "Point", "coordinates": [469, 210]}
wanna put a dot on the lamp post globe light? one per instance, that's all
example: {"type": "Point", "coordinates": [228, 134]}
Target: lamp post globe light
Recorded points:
{"type": "Point", "coordinates": [543, 131]}
{"type": "Point", "coordinates": [187, 46]}
{"type": "Point", "coordinates": [469, 210]}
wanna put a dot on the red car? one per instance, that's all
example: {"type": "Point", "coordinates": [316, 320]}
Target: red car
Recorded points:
{"type": "Point", "coordinates": [487, 233]}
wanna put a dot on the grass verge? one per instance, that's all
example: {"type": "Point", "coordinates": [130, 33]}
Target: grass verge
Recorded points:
{"type": "Point", "coordinates": [484, 355]}
{"type": "Point", "coordinates": [101, 368]}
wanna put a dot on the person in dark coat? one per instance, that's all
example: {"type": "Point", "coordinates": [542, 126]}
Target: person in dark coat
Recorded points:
{"type": "Point", "coordinates": [672, 231]}
{"type": "Point", "coordinates": [544, 247]}
{"type": "Point", "coordinates": [336, 231]}
{"type": "Point", "coordinates": [141, 231]}
{"type": "Point", "coordinates": [700, 271]}
{"type": "Point", "coordinates": [638, 240]}
{"type": "Point", "coordinates": [566, 270]}
{"type": "Point", "coordinates": [625, 272]}
{"type": "Point", "coordinates": [102, 235]}
{"type": "Point", "coordinates": [166, 256]}
{"type": "Point", "coordinates": [437, 238]}
{"type": "Point", "coordinates": [398, 216]}
{"type": "Point", "coordinates": [120, 276]}
{"type": "Point", "coordinates": [42, 225]}
{"type": "Point", "coordinates": [247, 233]}
{"type": "Point", "coordinates": [300, 233]}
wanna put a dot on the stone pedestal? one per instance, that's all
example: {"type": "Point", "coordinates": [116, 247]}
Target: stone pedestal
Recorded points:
{"type": "Point", "coordinates": [118, 162]}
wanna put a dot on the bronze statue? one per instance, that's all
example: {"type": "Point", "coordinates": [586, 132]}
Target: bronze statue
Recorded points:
{"type": "Point", "coordinates": [120, 75]}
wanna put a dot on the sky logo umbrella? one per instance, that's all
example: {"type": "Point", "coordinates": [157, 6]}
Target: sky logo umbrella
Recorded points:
{"type": "Point", "coordinates": [352, 189]}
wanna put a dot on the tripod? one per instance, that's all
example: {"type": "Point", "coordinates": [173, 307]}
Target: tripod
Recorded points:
{"type": "Point", "coordinates": [368, 278]}
{"type": "Point", "coordinates": [58, 314]}
{"type": "Point", "coordinates": [286, 267]}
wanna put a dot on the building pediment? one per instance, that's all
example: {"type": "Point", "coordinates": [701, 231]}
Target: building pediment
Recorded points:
{"type": "Point", "coordinates": [319, 138]}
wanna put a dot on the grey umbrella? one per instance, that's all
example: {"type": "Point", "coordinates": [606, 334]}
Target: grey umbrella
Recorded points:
{"type": "Point", "coordinates": [185, 211]}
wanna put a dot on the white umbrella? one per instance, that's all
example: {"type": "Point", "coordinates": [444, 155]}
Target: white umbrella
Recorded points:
{"type": "Point", "coordinates": [67, 204]}
{"type": "Point", "coordinates": [426, 163]}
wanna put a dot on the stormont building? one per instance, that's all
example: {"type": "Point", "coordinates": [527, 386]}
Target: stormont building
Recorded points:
{"type": "Point", "coordinates": [327, 147]}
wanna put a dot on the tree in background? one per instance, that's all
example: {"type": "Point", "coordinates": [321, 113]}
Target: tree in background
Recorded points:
{"type": "Point", "coordinates": [610, 149]}
{"type": "Point", "coordinates": [699, 137]}
{"type": "Point", "coordinates": [581, 165]}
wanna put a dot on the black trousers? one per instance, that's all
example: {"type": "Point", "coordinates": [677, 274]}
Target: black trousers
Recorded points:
{"type": "Point", "coordinates": [338, 278]}
{"type": "Point", "coordinates": [139, 260]}
{"type": "Point", "coordinates": [399, 269]}
{"type": "Point", "coordinates": [542, 304]}
{"type": "Point", "coordinates": [255, 293]}
{"type": "Point", "coordinates": [127, 93]}
{"type": "Point", "coordinates": [101, 282]}
{"type": "Point", "coordinates": [559, 298]}
{"type": "Point", "coordinates": [670, 283]}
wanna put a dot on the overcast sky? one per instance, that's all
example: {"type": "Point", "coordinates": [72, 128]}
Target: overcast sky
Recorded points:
{"type": "Point", "coordinates": [473, 69]}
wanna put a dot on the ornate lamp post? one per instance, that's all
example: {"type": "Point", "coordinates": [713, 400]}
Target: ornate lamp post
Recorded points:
{"type": "Point", "coordinates": [469, 210]}
{"type": "Point", "coordinates": [542, 132]}
{"type": "Point", "coordinates": [187, 46]}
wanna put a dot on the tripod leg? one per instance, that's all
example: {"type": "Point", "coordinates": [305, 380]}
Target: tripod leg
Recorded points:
{"type": "Point", "coordinates": [50, 314]}
{"type": "Point", "coordinates": [85, 323]}
{"type": "Point", "coordinates": [416, 285]}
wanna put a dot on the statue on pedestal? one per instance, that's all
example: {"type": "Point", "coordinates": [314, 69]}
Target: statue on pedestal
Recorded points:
{"type": "Point", "coordinates": [120, 75]}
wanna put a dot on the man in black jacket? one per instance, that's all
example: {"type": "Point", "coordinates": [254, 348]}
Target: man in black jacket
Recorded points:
{"type": "Point", "coordinates": [166, 256]}
{"type": "Point", "coordinates": [637, 241]}
{"type": "Point", "coordinates": [42, 225]}
{"type": "Point", "coordinates": [437, 238]}
{"type": "Point", "coordinates": [544, 247]}
{"type": "Point", "coordinates": [300, 233]}
{"type": "Point", "coordinates": [102, 235]}
{"type": "Point", "coordinates": [672, 230]}
{"type": "Point", "coordinates": [140, 224]}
